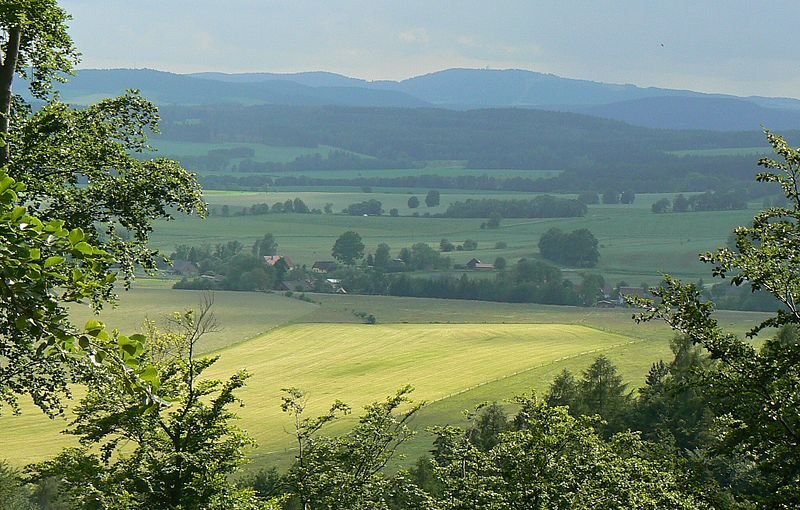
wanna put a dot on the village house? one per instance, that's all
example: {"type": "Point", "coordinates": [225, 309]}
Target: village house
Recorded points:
{"type": "Point", "coordinates": [323, 266]}
{"type": "Point", "coordinates": [271, 260]}
{"type": "Point", "coordinates": [477, 265]}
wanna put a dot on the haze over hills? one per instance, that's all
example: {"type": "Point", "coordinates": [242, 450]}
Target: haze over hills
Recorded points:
{"type": "Point", "coordinates": [461, 89]}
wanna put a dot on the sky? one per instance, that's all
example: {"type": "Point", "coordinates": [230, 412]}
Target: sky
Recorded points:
{"type": "Point", "coordinates": [725, 46]}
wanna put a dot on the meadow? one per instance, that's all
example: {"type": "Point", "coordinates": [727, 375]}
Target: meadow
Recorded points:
{"type": "Point", "coordinates": [456, 354]}
{"type": "Point", "coordinates": [635, 245]}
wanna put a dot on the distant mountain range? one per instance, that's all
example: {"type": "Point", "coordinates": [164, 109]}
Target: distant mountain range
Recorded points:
{"type": "Point", "coordinates": [460, 89]}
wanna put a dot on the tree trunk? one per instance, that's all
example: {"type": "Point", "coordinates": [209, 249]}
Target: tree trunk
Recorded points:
{"type": "Point", "coordinates": [7, 69]}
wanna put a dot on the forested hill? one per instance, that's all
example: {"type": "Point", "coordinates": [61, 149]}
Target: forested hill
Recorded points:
{"type": "Point", "coordinates": [462, 89]}
{"type": "Point", "coordinates": [165, 88]}
{"type": "Point", "coordinates": [589, 150]}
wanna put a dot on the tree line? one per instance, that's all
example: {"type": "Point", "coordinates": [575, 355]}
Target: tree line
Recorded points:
{"type": "Point", "coordinates": [708, 201]}
{"type": "Point", "coordinates": [543, 206]}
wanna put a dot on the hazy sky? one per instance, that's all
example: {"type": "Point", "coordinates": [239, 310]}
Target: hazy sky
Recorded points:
{"type": "Point", "coordinates": [732, 46]}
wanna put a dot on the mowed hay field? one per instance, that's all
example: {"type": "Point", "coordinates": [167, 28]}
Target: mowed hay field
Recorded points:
{"type": "Point", "coordinates": [455, 353]}
{"type": "Point", "coordinates": [357, 364]}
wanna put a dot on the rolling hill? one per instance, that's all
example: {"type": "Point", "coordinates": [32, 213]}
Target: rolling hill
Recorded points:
{"type": "Point", "coordinates": [460, 89]}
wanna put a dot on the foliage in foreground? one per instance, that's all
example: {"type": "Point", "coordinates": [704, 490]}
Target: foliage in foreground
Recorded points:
{"type": "Point", "coordinates": [169, 447]}
{"type": "Point", "coordinates": [755, 392]}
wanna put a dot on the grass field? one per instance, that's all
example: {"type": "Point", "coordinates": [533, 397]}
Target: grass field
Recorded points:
{"type": "Point", "coordinates": [733, 151]}
{"type": "Point", "coordinates": [242, 315]}
{"type": "Point", "coordinates": [456, 353]}
{"type": "Point", "coordinates": [635, 244]}
{"type": "Point", "coordinates": [358, 364]}
{"type": "Point", "coordinates": [263, 153]}
{"type": "Point", "coordinates": [284, 154]}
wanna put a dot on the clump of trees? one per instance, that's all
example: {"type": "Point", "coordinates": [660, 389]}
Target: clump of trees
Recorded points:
{"type": "Point", "coordinates": [227, 266]}
{"type": "Point", "coordinates": [432, 198]}
{"type": "Point", "coordinates": [289, 206]}
{"type": "Point", "coordinates": [348, 248]}
{"type": "Point", "coordinates": [708, 201]}
{"type": "Point", "coordinates": [577, 248]}
{"type": "Point", "coordinates": [543, 206]}
{"type": "Point", "coordinates": [370, 207]}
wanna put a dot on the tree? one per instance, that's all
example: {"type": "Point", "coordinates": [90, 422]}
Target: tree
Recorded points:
{"type": "Point", "coordinates": [755, 389]}
{"type": "Point", "coordinates": [661, 206]}
{"type": "Point", "coordinates": [348, 471]}
{"type": "Point", "coordinates": [265, 246]}
{"type": "Point", "coordinates": [348, 248]}
{"type": "Point", "coordinates": [469, 245]}
{"type": "Point", "coordinates": [432, 199]}
{"type": "Point", "coordinates": [494, 220]}
{"type": "Point", "coordinates": [551, 244]}
{"type": "Point", "coordinates": [299, 206]}
{"type": "Point", "coordinates": [37, 47]}
{"type": "Point", "coordinates": [603, 392]}
{"type": "Point", "coordinates": [627, 197]}
{"type": "Point", "coordinates": [591, 288]}
{"type": "Point", "coordinates": [500, 263]}
{"type": "Point", "coordinates": [413, 202]}
{"type": "Point", "coordinates": [90, 196]}
{"type": "Point", "coordinates": [564, 391]}
{"type": "Point", "coordinates": [393, 212]}
{"type": "Point", "coordinates": [610, 197]}
{"type": "Point", "coordinates": [382, 256]}
{"type": "Point", "coordinates": [582, 248]}
{"type": "Point", "coordinates": [179, 444]}
{"type": "Point", "coordinates": [488, 423]}
{"type": "Point", "coordinates": [680, 203]}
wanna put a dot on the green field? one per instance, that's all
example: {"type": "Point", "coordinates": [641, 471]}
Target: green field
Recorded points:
{"type": "Point", "coordinates": [635, 244]}
{"type": "Point", "coordinates": [732, 151]}
{"type": "Point", "coordinates": [263, 153]}
{"type": "Point", "coordinates": [456, 354]}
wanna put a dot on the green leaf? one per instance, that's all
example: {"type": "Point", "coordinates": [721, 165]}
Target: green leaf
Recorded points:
{"type": "Point", "coordinates": [150, 376]}
{"type": "Point", "coordinates": [94, 327]}
{"type": "Point", "coordinates": [84, 248]}
{"type": "Point", "coordinates": [76, 236]}
{"type": "Point", "coordinates": [34, 254]}
{"type": "Point", "coordinates": [21, 323]}
{"type": "Point", "coordinates": [18, 212]}
{"type": "Point", "coordinates": [130, 346]}
{"type": "Point", "coordinates": [53, 261]}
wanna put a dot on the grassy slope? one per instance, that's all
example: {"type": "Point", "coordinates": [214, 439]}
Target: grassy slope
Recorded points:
{"type": "Point", "coordinates": [483, 345]}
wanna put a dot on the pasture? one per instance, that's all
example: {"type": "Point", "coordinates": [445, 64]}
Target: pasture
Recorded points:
{"type": "Point", "coordinates": [456, 354]}
{"type": "Point", "coordinates": [635, 244]}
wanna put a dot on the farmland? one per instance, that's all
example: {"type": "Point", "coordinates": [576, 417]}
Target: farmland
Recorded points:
{"type": "Point", "coordinates": [456, 354]}
{"type": "Point", "coordinates": [635, 244]}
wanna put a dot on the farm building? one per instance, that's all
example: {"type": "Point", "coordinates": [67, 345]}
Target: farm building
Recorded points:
{"type": "Point", "coordinates": [323, 266]}
{"type": "Point", "coordinates": [271, 260]}
{"type": "Point", "coordinates": [477, 265]}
